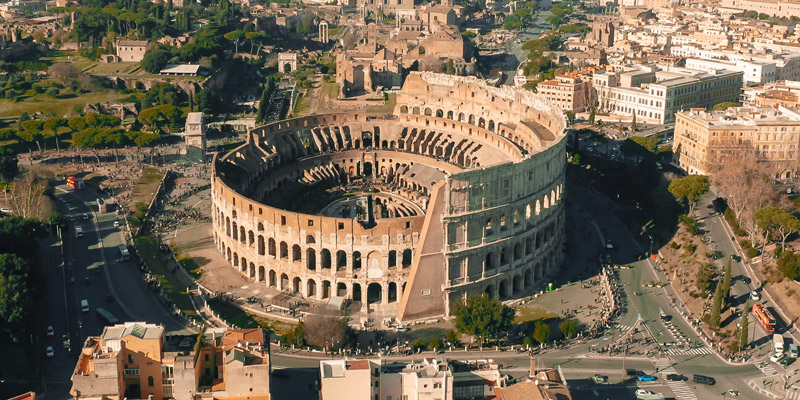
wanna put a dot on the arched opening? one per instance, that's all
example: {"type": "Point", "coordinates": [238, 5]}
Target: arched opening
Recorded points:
{"type": "Point", "coordinates": [392, 259]}
{"type": "Point", "coordinates": [287, 68]}
{"type": "Point", "coordinates": [518, 251]}
{"type": "Point", "coordinates": [310, 239]}
{"type": "Point", "coordinates": [367, 168]}
{"type": "Point", "coordinates": [341, 289]}
{"type": "Point", "coordinates": [439, 114]}
{"type": "Point", "coordinates": [503, 289]}
{"type": "Point", "coordinates": [528, 278]}
{"type": "Point", "coordinates": [236, 260]}
{"type": "Point", "coordinates": [252, 271]}
{"type": "Point", "coordinates": [489, 291]}
{"type": "Point", "coordinates": [374, 293]}
{"type": "Point", "coordinates": [261, 273]}
{"type": "Point", "coordinates": [296, 253]}
{"type": "Point", "coordinates": [341, 260]}
{"type": "Point", "coordinates": [504, 256]}
{"type": "Point", "coordinates": [404, 109]}
{"type": "Point", "coordinates": [488, 263]}
{"type": "Point", "coordinates": [284, 250]}
{"type": "Point", "coordinates": [392, 292]}
{"type": "Point", "coordinates": [326, 259]}
{"type": "Point", "coordinates": [261, 247]}
{"type": "Point", "coordinates": [251, 238]}
{"type": "Point", "coordinates": [284, 282]}
{"type": "Point", "coordinates": [517, 284]}
{"type": "Point", "coordinates": [296, 285]}
{"type": "Point", "coordinates": [407, 257]}
{"type": "Point", "coordinates": [311, 259]}
{"type": "Point", "coordinates": [271, 247]}
{"type": "Point", "coordinates": [356, 260]}
{"type": "Point", "coordinates": [311, 288]}
{"type": "Point", "coordinates": [356, 292]}
{"type": "Point", "coordinates": [272, 279]}
{"type": "Point", "coordinates": [326, 289]}
{"type": "Point", "coordinates": [366, 139]}
{"type": "Point", "coordinates": [428, 111]}
{"type": "Point", "coordinates": [415, 110]}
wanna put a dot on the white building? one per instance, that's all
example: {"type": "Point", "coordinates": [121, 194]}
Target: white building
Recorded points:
{"type": "Point", "coordinates": [754, 71]}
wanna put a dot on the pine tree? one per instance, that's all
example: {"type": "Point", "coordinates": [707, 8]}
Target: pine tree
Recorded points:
{"type": "Point", "coordinates": [716, 308]}
{"type": "Point", "coordinates": [744, 328]}
{"type": "Point", "coordinates": [634, 128]}
{"type": "Point", "coordinates": [591, 116]}
{"type": "Point", "coordinates": [726, 283]}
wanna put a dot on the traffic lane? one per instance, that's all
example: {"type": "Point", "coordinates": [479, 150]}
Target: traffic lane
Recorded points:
{"type": "Point", "coordinates": [56, 369]}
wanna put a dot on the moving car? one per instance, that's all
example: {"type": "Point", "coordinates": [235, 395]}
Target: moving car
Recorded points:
{"type": "Point", "coordinates": [697, 378]}
{"type": "Point", "coordinates": [85, 305]}
{"type": "Point", "coordinates": [646, 378]}
{"type": "Point", "coordinates": [50, 331]}
{"type": "Point", "coordinates": [733, 392]}
{"type": "Point", "coordinates": [116, 224]}
{"type": "Point", "coordinates": [755, 296]}
{"type": "Point", "coordinates": [676, 377]}
{"type": "Point", "coordinates": [642, 392]}
{"type": "Point", "coordinates": [49, 351]}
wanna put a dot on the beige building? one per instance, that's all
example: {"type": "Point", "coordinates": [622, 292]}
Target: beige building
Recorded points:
{"type": "Point", "coordinates": [131, 50]}
{"type": "Point", "coordinates": [431, 379]}
{"type": "Point", "coordinates": [785, 9]}
{"type": "Point", "coordinates": [570, 92]}
{"type": "Point", "coordinates": [136, 360]}
{"type": "Point", "coordinates": [702, 138]}
{"type": "Point", "coordinates": [195, 132]}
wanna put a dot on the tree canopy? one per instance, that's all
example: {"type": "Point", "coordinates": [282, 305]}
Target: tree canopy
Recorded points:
{"type": "Point", "coordinates": [482, 316]}
{"type": "Point", "coordinates": [778, 222]}
{"type": "Point", "coordinates": [689, 188]}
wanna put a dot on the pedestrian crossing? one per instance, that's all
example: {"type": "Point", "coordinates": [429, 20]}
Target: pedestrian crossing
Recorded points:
{"type": "Point", "coordinates": [766, 368]}
{"type": "Point", "coordinates": [685, 352]}
{"type": "Point", "coordinates": [625, 328]}
{"type": "Point", "coordinates": [680, 389]}
{"type": "Point", "coordinates": [793, 395]}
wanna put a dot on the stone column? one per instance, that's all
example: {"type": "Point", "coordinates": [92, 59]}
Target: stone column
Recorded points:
{"type": "Point", "coordinates": [385, 293]}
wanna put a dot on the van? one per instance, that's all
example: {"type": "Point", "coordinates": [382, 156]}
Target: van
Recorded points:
{"type": "Point", "coordinates": [793, 350]}
{"type": "Point", "coordinates": [79, 232]}
{"type": "Point", "coordinates": [704, 379]}
{"type": "Point", "coordinates": [778, 342]}
{"type": "Point", "coordinates": [85, 305]}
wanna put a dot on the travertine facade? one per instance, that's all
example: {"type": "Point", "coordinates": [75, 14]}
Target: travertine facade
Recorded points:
{"type": "Point", "coordinates": [459, 191]}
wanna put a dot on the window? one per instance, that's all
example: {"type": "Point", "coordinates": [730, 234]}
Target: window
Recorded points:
{"type": "Point", "coordinates": [283, 220]}
{"type": "Point", "coordinates": [311, 222]}
{"type": "Point", "coordinates": [341, 225]}
{"type": "Point", "coordinates": [206, 357]}
{"type": "Point", "coordinates": [150, 381]}
{"type": "Point", "coordinates": [130, 359]}
{"type": "Point", "coordinates": [131, 371]}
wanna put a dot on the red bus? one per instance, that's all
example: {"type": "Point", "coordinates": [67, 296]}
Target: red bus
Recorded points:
{"type": "Point", "coordinates": [764, 317]}
{"type": "Point", "coordinates": [75, 183]}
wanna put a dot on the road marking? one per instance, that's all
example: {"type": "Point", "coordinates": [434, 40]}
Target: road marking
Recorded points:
{"type": "Point", "coordinates": [766, 368]}
{"type": "Point", "coordinates": [595, 393]}
{"type": "Point", "coordinates": [680, 389]}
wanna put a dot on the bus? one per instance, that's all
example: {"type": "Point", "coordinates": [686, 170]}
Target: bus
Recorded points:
{"type": "Point", "coordinates": [764, 317]}
{"type": "Point", "coordinates": [75, 183]}
{"type": "Point", "coordinates": [124, 254]}
{"type": "Point", "coordinates": [106, 316]}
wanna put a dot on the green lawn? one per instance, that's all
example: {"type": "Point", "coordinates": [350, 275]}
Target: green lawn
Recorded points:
{"type": "Point", "coordinates": [388, 107]}
{"type": "Point", "coordinates": [191, 267]}
{"type": "Point", "coordinates": [331, 89]}
{"type": "Point", "coordinates": [233, 315]}
{"type": "Point", "coordinates": [57, 106]}
{"type": "Point", "coordinates": [145, 188]}
{"type": "Point", "coordinates": [532, 313]}
{"type": "Point", "coordinates": [175, 290]}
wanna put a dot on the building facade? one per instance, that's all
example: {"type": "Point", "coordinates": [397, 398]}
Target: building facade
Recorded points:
{"type": "Point", "coordinates": [570, 92]}
{"type": "Point", "coordinates": [131, 50]}
{"type": "Point", "coordinates": [703, 139]}
{"type": "Point", "coordinates": [460, 191]}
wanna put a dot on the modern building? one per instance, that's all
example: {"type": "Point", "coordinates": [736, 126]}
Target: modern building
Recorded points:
{"type": "Point", "coordinates": [703, 139]}
{"type": "Point", "coordinates": [459, 191]}
{"type": "Point", "coordinates": [131, 50]}
{"type": "Point", "coordinates": [754, 72]}
{"type": "Point", "coordinates": [137, 360]}
{"type": "Point", "coordinates": [654, 94]}
{"type": "Point", "coordinates": [570, 92]}
{"type": "Point", "coordinates": [432, 379]}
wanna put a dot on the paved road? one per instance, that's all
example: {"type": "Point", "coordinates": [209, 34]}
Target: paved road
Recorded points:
{"type": "Point", "coordinates": [93, 272]}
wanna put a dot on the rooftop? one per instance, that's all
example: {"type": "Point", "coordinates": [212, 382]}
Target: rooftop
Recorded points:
{"type": "Point", "coordinates": [142, 330]}
{"type": "Point", "coordinates": [752, 116]}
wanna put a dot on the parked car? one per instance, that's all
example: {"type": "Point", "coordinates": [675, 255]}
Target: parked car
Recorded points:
{"type": "Point", "coordinates": [776, 357]}
{"type": "Point", "coordinates": [600, 378]}
{"type": "Point", "coordinates": [632, 372]}
{"type": "Point", "coordinates": [755, 296]}
{"type": "Point", "coordinates": [116, 224]}
{"type": "Point", "coordinates": [676, 377]}
{"type": "Point", "coordinates": [785, 361]}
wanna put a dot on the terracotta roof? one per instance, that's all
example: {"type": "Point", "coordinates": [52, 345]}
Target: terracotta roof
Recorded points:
{"type": "Point", "coordinates": [358, 364]}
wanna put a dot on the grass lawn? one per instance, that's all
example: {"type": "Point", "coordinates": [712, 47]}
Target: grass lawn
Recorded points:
{"type": "Point", "coordinates": [145, 188]}
{"type": "Point", "coordinates": [191, 267]}
{"type": "Point", "coordinates": [233, 315]}
{"type": "Point", "coordinates": [388, 107]}
{"type": "Point", "coordinates": [57, 106]}
{"type": "Point", "coordinates": [302, 105]}
{"type": "Point", "coordinates": [175, 290]}
{"type": "Point", "coordinates": [331, 89]}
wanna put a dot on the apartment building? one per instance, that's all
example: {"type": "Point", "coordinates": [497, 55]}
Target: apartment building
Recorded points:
{"type": "Point", "coordinates": [430, 379]}
{"type": "Point", "coordinates": [773, 94]}
{"type": "Point", "coordinates": [570, 92]}
{"type": "Point", "coordinates": [137, 360]}
{"type": "Point", "coordinates": [654, 94]}
{"type": "Point", "coordinates": [703, 138]}
{"type": "Point", "coordinates": [754, 72]}
{"type": "Point", "coordinates": [785, 9]}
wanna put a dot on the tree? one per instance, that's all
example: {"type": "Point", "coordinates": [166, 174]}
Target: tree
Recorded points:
{"type": "Point", "coordinates": [541, 332]}
{"type": "Point", "coordinates": [15, 293]}
{"type": "Point", "coordinates": [9, 165]}
{"type": "Point", "coordinates": [295, 337]}
{"type": "Point", "coordinates": [324, 330]}
{"type": "Point", "coordinates": [744, 326]}
{"type": "Point", "coordinates": [482, 316]}
{"type": "Point", "coordinates": [28, 200]}
{"type": "Point", "coordinates": [751, 14]}
{"type": "Point", "coordinates": [789, 264]}
{"type": "Point", "coordinates": [713, 318]}
{"type": "Point", "coordinates": [726, 283]}
{"type": "Point", "coordinates": [689, 188]}
{"type": "Point", "coordinates": [235, 37]}
{"type": "Point", "coordinates": [569, 328]}
{"type": "Point", "coordinates": [527, 342]}
{"type": "Point", "coordinates": [452, 337]}
{"type": "Point", "coordinates": [570, 117]}
{"type": "Point", "coordinates": [776, 221]}
{"type": "Point", "coordinates": [704, 276]}
{"type": "Point", "coordinates": [725, 105]}
{"type": "Point", "coordinates": [634, 127]}
{"type": "Point", "coordinates": [53, 125]}
{"type": "Point", "coordinates": [435, 344]}
{"type": "Point", "coordinates": [155, 60]}
{"type": "Point", "coordinates": [62, 72]}
{"type": "Point", "coordinates": [255, 37]}
{"type": "Point", "coordinates": [592, 116]}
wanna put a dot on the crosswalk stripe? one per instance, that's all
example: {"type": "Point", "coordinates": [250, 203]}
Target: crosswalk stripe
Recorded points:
{"type": "Point", "coordinates": [680, 389]}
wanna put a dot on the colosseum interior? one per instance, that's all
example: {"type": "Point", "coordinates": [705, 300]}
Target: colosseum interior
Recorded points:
{"type": "Point", "coordinates": [459, 191]}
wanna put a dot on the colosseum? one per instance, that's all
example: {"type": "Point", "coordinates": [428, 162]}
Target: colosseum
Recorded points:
{"type": "Point", "coordinates": [459, 191]}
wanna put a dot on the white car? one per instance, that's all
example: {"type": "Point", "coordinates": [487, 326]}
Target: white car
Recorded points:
{"type": "Point", "coordinates": [755, 296]}
{"type": "Point", "coordinates": [6, 210]}
{"type": "Point", "coordinates": [642, 392]}
{"type": "Point", "coordinates": [116, 224]}
{"type": "Point", "coordinates": [49, 351]}
{"type": "Point", "coordinates": [50, 331]}
{"type": "Point", "coordinates": [775, 357]}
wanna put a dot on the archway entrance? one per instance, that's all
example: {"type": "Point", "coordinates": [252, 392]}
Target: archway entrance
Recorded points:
{"type": "Point", "coordinates": [374, 293]}
{"type": "Point", "coordinates": [356, 292]}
